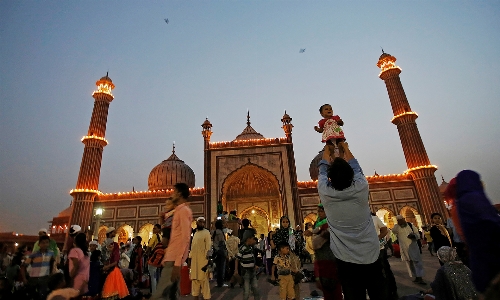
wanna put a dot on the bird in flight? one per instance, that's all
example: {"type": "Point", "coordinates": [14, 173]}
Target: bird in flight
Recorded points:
{"type": "Point", "coordinates": [302, 50]}
{"type": "Point", "coordinates": [166, 21]}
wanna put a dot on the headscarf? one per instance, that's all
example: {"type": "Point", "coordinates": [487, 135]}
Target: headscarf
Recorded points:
{"type": "Point", "coordinates": [481, 227]}
{"type": "Point", "coordinates": [446, 254]}
{"type": "Point", "coordinates": [285, 234]}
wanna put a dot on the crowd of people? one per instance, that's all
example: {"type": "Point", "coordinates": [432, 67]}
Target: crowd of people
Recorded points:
{"type": "Point", "coordinates": [347, 244]}
{"type": "Point", "coordinates": [467, 246]}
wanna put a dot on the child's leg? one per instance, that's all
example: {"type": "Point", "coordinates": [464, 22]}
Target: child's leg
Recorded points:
{"type": "Point", "coordinates": [246, 285]}
{"type": "Point", "coordinates": [331, 147]}
{"type": "Point", "coordinates": [283, 287]}
{"type": "Point", "coordinates": [341, 150]}
{"type": "Point", "coordinates": [255, 288]}
{"type": "Point", "coordinates": [290, 287]}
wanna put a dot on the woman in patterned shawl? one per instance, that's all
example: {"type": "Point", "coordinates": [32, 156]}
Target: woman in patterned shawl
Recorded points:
{"type": "Point", "coordinates": [453, 280]}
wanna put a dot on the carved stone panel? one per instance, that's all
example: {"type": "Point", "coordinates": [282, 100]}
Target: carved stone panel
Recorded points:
{"type": "Point", "coordinates": [127, 212]}
{"type": "Point", "coordinates": [108, 213]}
{"type": "Point", "coordinates": [388, 206]}
{"type": "Point", "coordinates": [197, 208]}
{"type": "Point", "coordinates": [148, 211]}
{"type": "Point", "coordinates": [380, 196]}
{"type": "Point", "coordinates": [310, 201]}
{"type": "Point", "coordinates": [403, 194]}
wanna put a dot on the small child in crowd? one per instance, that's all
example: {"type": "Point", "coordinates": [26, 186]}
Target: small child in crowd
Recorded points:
{"type": "Point", "coordinates": [246, 260]}
{"type": "Point", "coordinates": [283, 261]}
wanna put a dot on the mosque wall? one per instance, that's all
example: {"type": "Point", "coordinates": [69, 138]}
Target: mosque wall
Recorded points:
{"type": "Point", "coordinates": [309, 200]}
{"type": "Point", "coordinates": [139, 212]}
{"type": "Point", "coordinates": [394, 198]}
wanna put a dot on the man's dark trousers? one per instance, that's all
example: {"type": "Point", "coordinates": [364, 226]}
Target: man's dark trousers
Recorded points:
{"type": "Point", "coordinates": [356, 279]}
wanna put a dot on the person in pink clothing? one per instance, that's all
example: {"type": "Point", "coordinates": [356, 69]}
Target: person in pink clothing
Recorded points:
{"type": "Point", "coordinates": [178, 246]}
{"type": "Point", "coordinates": [79, 264]}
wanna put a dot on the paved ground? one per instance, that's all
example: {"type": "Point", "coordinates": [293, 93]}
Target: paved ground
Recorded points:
{"type": "Point", "coordinates": [270, 292]}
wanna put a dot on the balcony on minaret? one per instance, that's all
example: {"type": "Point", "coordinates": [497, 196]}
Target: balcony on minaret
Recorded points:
{"type": "Point", "coordinates": [207, 129]}
{"type": "Point", "coordinates": [104, 85]}
{"type": "Point", "coordinates": [387, 62]}
{"type": "Point", "coordinates": [407, 116]}
{"type": "Point", "coordinates": [94, 140]}
{"type": "Point", "coordinates": [287, 126]}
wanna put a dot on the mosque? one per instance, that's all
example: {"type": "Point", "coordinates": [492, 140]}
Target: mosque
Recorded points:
{"type": "Point", "coordinates": [252, 174]}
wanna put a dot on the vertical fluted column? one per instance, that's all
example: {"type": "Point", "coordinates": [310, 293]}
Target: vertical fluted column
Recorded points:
{"type": "Point", "coordinates": [287, 128]}
{"type": "Point", "coordinates": [418, 162]}
{"type": "Point", "coordinates": [87, 184]}
{"type": "Point", "coordinates": [207, 133]}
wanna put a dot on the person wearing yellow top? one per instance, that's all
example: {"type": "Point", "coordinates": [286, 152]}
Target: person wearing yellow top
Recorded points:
{"type": "Point", "coordinates": [308, 238]}
{"type": "Point", "coordinates": [155, 239]}
{"type": "Point", "coordinates": [428, 238]}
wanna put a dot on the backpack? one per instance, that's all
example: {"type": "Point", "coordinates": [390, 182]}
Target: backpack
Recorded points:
{"type": "Point", "coordinates": [222, 251]}
{"type": "Point", "coordinates": [156, 257]}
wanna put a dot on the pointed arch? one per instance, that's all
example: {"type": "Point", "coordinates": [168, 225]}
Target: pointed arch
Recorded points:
{"type": "Point", "coordinates": [259, 219]}
{"type": "Point", "coordinates": [310, 218]}
{"type": "Point", "coordinates": [387, 216]}
{"type": "Point", "coordinates": [249, 181]}
{"type": "Point", "coordinates": [252, 185]}
{"type": "Point", "coordinates": [146, 232]}
{"type": "Point", "coordinates": [411, 215]}
{"type": "Point", "coordinates": [101, 236]}
{"type": "Point", "coordinates": [123, 233]}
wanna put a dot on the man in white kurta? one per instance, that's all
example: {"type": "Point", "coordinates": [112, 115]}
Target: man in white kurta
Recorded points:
{"type": "Point", "coordinates": [200, 246]}
{"type": "Point", "coordinates": [408, 235]}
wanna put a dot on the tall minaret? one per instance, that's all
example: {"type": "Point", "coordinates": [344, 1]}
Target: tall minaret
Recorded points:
{"type": "Point", "coordinates": [87, 184]}
{"type": "Point", "coordinates": [418, 162]}
{"type": "Point", "coordinates": [207, 133]}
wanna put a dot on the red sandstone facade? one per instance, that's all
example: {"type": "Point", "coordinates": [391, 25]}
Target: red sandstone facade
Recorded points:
{"type": "Point", "coordinates": [254, 175]}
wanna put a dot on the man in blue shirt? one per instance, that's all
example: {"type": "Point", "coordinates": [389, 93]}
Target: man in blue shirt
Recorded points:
{"type": "Point", "coordinates": [343, 191]}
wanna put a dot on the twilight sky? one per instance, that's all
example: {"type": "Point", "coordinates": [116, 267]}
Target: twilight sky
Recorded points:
{"type": "Point", "coordinates": [220, 58]}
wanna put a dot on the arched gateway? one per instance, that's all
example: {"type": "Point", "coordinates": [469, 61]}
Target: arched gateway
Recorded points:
{"type": "Point", "coordinates": [254, 193]}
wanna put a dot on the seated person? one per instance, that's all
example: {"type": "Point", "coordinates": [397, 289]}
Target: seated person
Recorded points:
{"type": "Point", "coordinates": [453, 280]}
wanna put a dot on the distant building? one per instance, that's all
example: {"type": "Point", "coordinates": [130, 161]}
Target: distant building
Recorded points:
{"type": "Point", "coordinates": [254, 175]}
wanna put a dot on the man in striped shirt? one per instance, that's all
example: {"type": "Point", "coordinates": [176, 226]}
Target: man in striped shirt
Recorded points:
{"type": "Point", "coordinates": [246, 260]}
{"type": "Point", "coordinates": [42, 264]}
